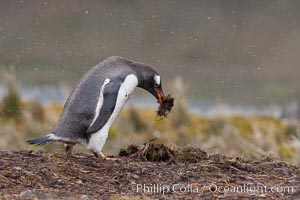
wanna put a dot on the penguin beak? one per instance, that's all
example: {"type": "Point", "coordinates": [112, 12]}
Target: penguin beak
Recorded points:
{"type": "Point", "coordinates": [159, 95]}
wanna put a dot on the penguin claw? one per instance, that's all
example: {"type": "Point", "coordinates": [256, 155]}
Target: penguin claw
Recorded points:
{"type": "Point", "coordinates": [111, 159]}
{"type": "Point", "coordinates": [103, 157]}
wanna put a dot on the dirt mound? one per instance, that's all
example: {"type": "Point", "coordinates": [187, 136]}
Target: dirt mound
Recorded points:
{"type": "Point", "coordinates": [153, 152]}
{"type": "Point", "coordinates": [156, 152]}
{"type": "Point", "coordinates": [152, 171]}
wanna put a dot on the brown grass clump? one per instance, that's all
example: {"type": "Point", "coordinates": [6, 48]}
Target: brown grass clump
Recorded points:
{"type": "Point", "coordinates": [167, 105]}
{"type": "Point", "coordinates": [152, 151]}
{"type": "Point", "coordinates": [191, 155]}
{"type": "Point", "coordinates": [131, 149]}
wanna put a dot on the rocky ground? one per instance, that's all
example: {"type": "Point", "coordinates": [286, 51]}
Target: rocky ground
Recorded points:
{"type": "Point", "coordinates": [153, 171]}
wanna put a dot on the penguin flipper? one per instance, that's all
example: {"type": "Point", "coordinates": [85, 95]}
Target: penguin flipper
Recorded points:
{"type": "Point", "coordinates": [110, 95]}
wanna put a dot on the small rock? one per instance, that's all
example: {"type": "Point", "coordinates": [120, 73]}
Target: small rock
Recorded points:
{"type": "Point", "coordinates": [144, 170]}
{"type": "Point", "coordinates": [26, 194]}
{"type": "Point", "coordinates": [84, 197]}
{"type": "Point", "coordinates": [282, 171]}
{"type": "Point", "coordinates": [17, 168]}
{"type": "Point", "coordinates": [135, 176]}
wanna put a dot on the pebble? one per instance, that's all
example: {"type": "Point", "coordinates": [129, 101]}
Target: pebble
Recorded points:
{"type": "Point", "coordinates": [282, 171]}
{"type": "Point", "coordinates": [26, 194]}
{"type": "Point", "coordinates": [84, 197]}
{"type": "Point", "coordinates": [135, 176]}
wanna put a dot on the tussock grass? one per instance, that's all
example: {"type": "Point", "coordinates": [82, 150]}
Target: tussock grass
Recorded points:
{"type": "Point", "coordinates": [234, 135]}
{"type": "Point", "coordinates": [252, 136]}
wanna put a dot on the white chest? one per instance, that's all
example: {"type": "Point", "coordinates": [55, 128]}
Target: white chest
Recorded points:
{"type": "Point", "coordinates": [98, 139]}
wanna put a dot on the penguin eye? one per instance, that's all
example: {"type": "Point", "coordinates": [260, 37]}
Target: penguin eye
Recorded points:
{"type": "Point", "coordinates": [156, 80]}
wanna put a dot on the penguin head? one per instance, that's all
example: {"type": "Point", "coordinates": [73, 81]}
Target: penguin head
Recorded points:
{"type": "Point", "coordinates": [150, 80]}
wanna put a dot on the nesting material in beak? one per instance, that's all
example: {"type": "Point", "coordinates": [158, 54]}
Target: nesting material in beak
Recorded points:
{"type": "Point", "coordinates": [167, 103]}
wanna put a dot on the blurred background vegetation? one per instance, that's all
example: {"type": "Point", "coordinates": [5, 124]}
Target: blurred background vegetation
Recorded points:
{"type": "Point", "coordinates": [232, 66]}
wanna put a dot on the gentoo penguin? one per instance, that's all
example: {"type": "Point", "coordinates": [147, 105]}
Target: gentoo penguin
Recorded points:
{"type": "Point", "coordinates": [96, 101]}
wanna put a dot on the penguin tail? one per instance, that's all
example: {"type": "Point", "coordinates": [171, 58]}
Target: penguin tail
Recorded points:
{"type": "Point", "coordinates": [48, 139]}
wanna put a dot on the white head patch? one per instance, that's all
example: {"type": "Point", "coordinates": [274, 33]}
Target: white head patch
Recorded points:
{"type": "Point", "coordinates": [157, 79]}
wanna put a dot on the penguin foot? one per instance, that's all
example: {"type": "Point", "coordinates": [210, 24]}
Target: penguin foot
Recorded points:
{"type": "Point", "coordinates": [111, 159]}
{"type": "Point", "coordinates": [69, 149]}
{"type": "Point", "coordinates": [103, 157]}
